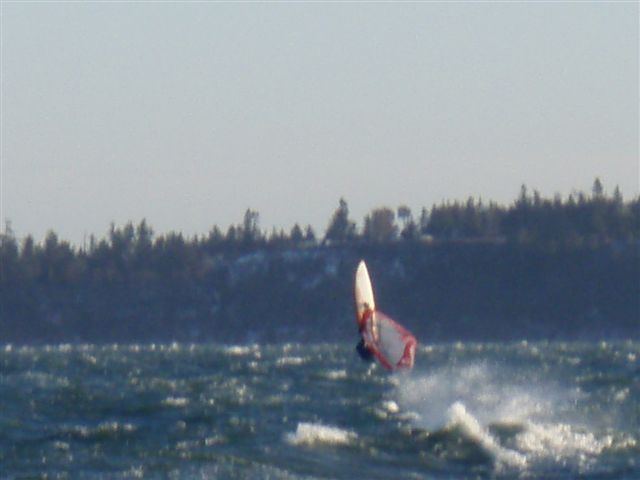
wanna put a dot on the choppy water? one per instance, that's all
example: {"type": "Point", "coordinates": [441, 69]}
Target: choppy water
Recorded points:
{"type": "Point", "coordinates": [295, 411]}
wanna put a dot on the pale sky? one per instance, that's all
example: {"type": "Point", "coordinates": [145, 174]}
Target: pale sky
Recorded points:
{"type": "Point", "coordinates": [188, 114]}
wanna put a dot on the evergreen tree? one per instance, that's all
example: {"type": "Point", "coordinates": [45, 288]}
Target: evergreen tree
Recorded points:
{"type": "Point", "coordinates": [250, 227]}
{"type": "Point", "coordinates": [278, 238]}
{"type": "Point", "coordinates": [597, 189]}
{"type": "Point", "coordinates": [143, 243]}
{"type": "Point", "coordinates": [617, 196]}
{"type": "Point", "coordinates": [232, 235]}
{"type": "Point", "coordinates": [309, 235]}
{"type": "Point", "coordinates": [296, 235]}
{"type": "Point", "coordinates": [214, 239]}
{"type": "Point", "coordinates": [424, 219]}
{"type": "Point", "coordinates": [8, 255]}
{"type": "Point", "coordinates": [341, 229]}
{"type": "Point", "coordinates": [379, 226]}
{"type": "Point", "coordinates": [28, 259]}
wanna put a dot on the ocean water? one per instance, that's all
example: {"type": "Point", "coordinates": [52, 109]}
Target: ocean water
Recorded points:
{"type": "Point", "coordinates": [293, 411]}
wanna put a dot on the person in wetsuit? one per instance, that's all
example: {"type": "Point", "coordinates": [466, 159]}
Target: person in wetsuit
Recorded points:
{"type": "Point", "coordinates": [366, 354]}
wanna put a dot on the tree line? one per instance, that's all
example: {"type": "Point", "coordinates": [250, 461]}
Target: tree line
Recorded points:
{"type": "Point", "coordinates": [581, 220]}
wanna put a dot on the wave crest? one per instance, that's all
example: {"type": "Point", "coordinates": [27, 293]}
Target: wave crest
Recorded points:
{"type": "Point", "coordinates": [518, 420]}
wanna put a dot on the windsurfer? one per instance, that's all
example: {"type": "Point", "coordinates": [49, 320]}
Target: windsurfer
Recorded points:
{"type": "Point", "coordinates": [366, 354]}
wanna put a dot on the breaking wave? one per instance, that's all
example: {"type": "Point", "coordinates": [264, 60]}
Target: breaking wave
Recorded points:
{"type": "Point", "coordinates": [515, 418]}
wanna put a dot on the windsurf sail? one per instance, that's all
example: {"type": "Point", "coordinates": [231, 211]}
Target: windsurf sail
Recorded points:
{"type": "Point", "coordinates": [392, 344]}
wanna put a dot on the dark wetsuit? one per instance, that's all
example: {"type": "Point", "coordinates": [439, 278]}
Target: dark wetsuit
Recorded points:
{"type": "Point", "coordinates": [364, 352]}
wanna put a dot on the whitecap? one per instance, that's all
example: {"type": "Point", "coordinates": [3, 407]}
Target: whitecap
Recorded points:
{"type": "Point", "coordinates": [115, 427]}
{"type": "Point", "coordinates": [238, 350]}
{"type": "Point", "coordinates": [336, 374]}
{"type": "Point", "coordinates": [253, 365]}
{"type": "Point", "coordinates": [458, 416]}
{"type": "Point", "coordinates": [390, 406]}
{"type": "Point", "coordinates": [104, 428]}
{"type": "Point", "coordinates": [290, 361]}
{"type": "Point", "coordinates": [621, 395]}
{"type": "Point", "coordinates": [560, 440]}
{"type": "Point", "coordinates": [89, 358]}
{"type": "Point", "coordinates": [175, 401]}
{"type": "Point", "coordinates": [317, 433]}
{"type": "Point", "coordinates": [478, 397]}
{"type": "Point", "coordinates": [214, 440]}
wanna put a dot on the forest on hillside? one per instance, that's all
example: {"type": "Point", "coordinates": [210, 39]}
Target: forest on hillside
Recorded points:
{"type": "Point", "coordinates": [548, 267]}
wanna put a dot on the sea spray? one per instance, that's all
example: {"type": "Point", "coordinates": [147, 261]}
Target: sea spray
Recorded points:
{"type": "Point", "coordinates": [535, 419]}
{"type": "Point", "coordinates": [490, 392]}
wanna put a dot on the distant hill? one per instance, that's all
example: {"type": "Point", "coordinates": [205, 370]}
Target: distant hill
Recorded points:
{"type": "Point", "coordinates": [537, 269]}
{"type": "Point", "coordinates": [446, 292]}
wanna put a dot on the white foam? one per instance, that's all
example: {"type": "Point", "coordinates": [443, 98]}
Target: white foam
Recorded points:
{"type": "Point", "coordinates": [238, 350]}
{"type": "Point", "coordinates": [390, 406]}
{"type": "Point", "coordinates": [478, 397]}
{"type": "Point", "coordinates": [89, 358]}
{"type": "Point", "coordinates": [290, 361]}
{"type": "Point", "coordinates": [253, 365]}
{"type": "Point", "coordinates": [317, 433]}
{"type": "Point", "coordinates": [486, 392]}
{"type": "Point", "coordinates": [387, 408]}
{"type": "Point", "coordinates": [214, 440]}
{"type": "Point", "coordinates": [61, 445]}
{"type": "Point", "coordinates": [102, 428]}
{"type": "Point", "coordinates": [560, 441]}
{"type": "Point", "coordinates": [621, 395]}
{"type": "Point", "coordinates": [336, 374]}
{"type": "Point", "coordinates": [115, 427]}
{"type": "Point", "coordinates": [175, 401]}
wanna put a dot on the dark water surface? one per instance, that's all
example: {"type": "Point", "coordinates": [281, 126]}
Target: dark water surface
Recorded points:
{"type": "Point", "coordinates": [544, 410]}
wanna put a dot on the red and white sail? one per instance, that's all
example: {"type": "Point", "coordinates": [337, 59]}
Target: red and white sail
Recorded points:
{"type": "Point", "coordinates": [392, 344]}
